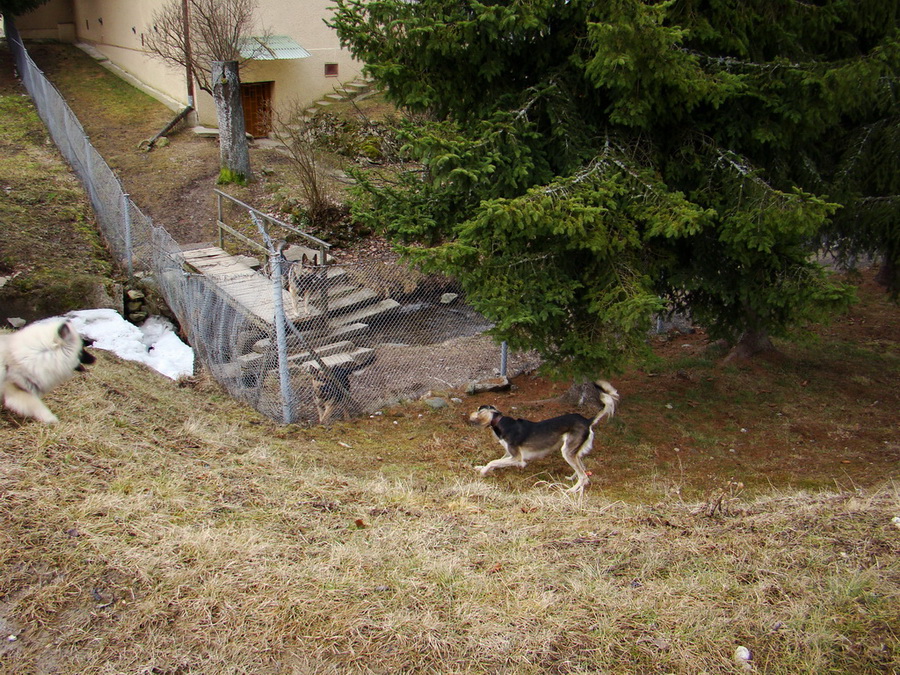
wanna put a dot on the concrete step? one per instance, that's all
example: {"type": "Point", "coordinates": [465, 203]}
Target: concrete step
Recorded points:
{"type": "Point", "coordinates": [343, 347]}
{"type": "Point", "coordinates": [348, 330]}
{"type": "Point", "coordinates": [359, 358]}
{"type": "Point", "coordinates": [367, 312]}
{"type": "Point", "coordinates": [352, 300]}
{"type": "Point", "coordinates": [326, 335]}
{"type": "Point", "coordinates": [329, 361]}
{"type": "Point", "coordinates": [363, 355]}
{"type": "Point", "coordinates": [341, 290]}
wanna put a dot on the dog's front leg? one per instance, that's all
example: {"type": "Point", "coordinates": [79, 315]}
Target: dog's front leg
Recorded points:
{"type": "Point", "coordinates": [507, 460]}
{"type": "Point", "coordinates": [27, 404]}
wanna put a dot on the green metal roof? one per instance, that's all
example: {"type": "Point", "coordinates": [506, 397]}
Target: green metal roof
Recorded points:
{"type": "Point", "coordinates": [272, 47]}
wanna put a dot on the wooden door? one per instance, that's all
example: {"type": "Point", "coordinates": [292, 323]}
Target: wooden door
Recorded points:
{"type": "Point", "coordinates": [256, 97]}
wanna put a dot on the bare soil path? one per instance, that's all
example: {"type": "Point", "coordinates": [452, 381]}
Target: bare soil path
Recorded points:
{"type": "Point", "coordinates": [173, 183]}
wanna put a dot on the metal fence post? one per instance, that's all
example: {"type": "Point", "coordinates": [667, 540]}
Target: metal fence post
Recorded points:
{"type": "Point", "coordinates": [281, 337]}
{"type": "Point", "coordinates": [219, 220]}
{"type": "Point", "coordinates": [89, 174]}
{"type": "Point", "coordinates": [323, 273]}
{"type": "Point", "coordinates": [126, 217]}
{"type": "Point", "coordinates": [284, 378]}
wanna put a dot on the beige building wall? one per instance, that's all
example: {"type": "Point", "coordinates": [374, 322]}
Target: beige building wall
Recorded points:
{"type": "Point", "coordinates": [302, 81]}
{"type": "Point", "coordinates": [52, 21]}
{"type": "Point", "coordinates": [117, 28]}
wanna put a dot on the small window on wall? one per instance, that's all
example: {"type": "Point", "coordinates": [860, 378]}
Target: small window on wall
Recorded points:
{"type": "Point", "coordinates": [331, 70]}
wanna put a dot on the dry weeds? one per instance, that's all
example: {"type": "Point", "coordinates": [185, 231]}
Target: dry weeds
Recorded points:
{"type": "Point", "coordinates": [166, 529]}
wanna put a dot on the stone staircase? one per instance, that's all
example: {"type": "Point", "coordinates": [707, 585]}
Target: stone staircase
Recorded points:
{"type": "Point", "coordinates": [357, 89]}
{"type": "Point", "coordinates": [326, 316]}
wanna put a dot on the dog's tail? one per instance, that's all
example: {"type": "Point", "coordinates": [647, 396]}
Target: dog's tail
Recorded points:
{"type": "Point", "coordinates": [610, 397]}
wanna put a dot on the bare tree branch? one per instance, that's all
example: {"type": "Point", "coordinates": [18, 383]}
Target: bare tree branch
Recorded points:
{"type": "Point", "coordinates": [218, 31]}
{"type": "Point", "coordinates": [207, 36]}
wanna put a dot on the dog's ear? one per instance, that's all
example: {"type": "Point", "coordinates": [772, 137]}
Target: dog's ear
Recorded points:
{"type": "Point", "coordinates": [65, 330]}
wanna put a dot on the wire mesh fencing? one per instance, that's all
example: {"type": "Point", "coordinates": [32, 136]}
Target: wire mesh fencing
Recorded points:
{"type": "Point", "coordinates": [340, 337]}
{"type": "Point", "coordinates": [287, 328]}
{"type": "Point", "coordinates": [362, 336]}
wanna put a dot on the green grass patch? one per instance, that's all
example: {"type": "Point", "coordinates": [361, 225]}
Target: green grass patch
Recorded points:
{"type": "Point", "coordinates": [52, 251]}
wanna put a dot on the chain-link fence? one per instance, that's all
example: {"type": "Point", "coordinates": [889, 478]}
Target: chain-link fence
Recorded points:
{"type": "Point", "coordinates": [283, 326]}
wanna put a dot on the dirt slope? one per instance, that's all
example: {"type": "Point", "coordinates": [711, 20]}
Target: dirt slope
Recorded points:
{"type": "Point", "coordinates": [173, 184]}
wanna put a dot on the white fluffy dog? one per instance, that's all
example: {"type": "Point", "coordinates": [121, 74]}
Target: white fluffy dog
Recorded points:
{"type": "Point", "coordinates": [34, 360]}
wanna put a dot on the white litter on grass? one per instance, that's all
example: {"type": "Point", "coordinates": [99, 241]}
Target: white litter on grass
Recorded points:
{"type": "Point", "coordinates": [154, 343]}
{"type": "Point", "coordinates": [742, 656]}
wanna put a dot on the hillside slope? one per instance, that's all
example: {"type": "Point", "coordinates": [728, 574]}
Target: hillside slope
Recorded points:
{"type": "Point", "coordinates": [51, 258]}
{"type": "Point", "coordinates": [163, 528]}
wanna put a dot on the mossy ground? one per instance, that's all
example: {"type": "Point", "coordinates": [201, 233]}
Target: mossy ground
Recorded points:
{"type": "Point", "coordinates": [51, 249]}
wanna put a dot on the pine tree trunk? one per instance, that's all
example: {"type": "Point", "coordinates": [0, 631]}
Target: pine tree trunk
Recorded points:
{"type": "Point", "coordinates": [234, 153]}
{"type": "Point", "coordinates": [887, 274]}
{"type": "Point", "coordinates": [582, 393]}
{"type": "Point", "coordinates": [751, 343]}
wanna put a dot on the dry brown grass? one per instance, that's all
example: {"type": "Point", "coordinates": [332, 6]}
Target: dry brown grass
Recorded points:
{"type": "Point", "coordinates": [166, 529]}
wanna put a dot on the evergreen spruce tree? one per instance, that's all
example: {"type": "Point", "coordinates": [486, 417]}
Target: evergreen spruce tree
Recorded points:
{"type": "Point", "coordinates": [19, 7]}
{"type": "Point", "coordinates": [584, 164]}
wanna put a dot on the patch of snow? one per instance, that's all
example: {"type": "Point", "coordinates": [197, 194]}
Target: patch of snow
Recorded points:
{"type": "Point", "coordinates": [154, 343]}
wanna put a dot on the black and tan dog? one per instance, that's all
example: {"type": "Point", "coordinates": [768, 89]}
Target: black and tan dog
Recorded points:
{"type": "Point", "coordinates": [524, 440]}
{"type": "Point", "coordinates": [331, 391]}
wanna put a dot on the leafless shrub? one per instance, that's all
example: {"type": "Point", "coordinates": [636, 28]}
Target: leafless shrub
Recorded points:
{"type": "Point", "coordinates": [299, 140]}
